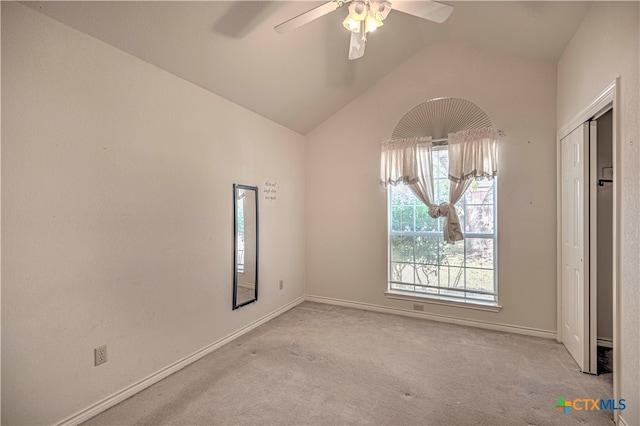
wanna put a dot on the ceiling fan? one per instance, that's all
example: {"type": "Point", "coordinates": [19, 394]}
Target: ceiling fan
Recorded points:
{"type": "Point", "coordinates": [367, 15]}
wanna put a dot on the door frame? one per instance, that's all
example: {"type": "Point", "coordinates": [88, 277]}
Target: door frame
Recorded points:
{"type": "Point", "coordinates": [607, 99]}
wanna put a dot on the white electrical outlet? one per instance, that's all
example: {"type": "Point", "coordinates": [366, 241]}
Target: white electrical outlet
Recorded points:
{"type": "Point", "coordinates": [100, 354]}
{"type": "Point", "coordinates": [281, 284]}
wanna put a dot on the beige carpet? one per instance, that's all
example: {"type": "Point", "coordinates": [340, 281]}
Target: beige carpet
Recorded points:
{"type": "Point", "coordinates": [323, 364]}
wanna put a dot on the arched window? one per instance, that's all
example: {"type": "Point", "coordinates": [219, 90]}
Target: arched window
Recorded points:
{"type": "Point", "coordinates": [421, 262]}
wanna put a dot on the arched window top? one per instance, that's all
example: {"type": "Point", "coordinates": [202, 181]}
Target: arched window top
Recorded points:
{"type": "Point", "coordinates": [439, 117]}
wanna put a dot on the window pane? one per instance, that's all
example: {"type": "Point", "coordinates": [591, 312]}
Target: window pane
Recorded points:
{"type": "Point", "coordinates": [401, 248]}
{"type": "Point", "coordinates": [402, 207]}
{"type": "Point", "coordinates": [451, 277]}
{"type": "Point", "coordinates": [403, 272]}
{"type": "Point", "coordinates": [424, 222]}
{"type": "Point", "coordinates": [480, 192]}
{"type": "Point", "coordinates": [479, 219]}
{"type": "Point", "coordinates": [401, 195]}
{"type": "Point", "coordinates": [427, 275]}
{"type": "Point", "coordinates": [441, 190]}
{"type": "Point", "coordinates": [403, 219]}
{"type": "Point", "coordinates": [479, 252]}
{"type": "Point", "coordinates": [427, 250]}
{"type": "Point", "coordinates": [480, 279]}
{"type": "Point", "coordinates": [396, 196]}
{"type": "Point", "coordinates": [452, 254]}
{"type": "Point", "coordinates": [440, 163]}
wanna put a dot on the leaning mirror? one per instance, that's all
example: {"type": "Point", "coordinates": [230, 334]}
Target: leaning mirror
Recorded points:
{"type": "Point", "coordinates": [245, 253]}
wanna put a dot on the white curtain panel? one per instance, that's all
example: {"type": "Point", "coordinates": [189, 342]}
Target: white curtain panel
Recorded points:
{"type": "Point", "coordinates": [473, 154]}
{"type": "Point", "coordinates": [403, 160]}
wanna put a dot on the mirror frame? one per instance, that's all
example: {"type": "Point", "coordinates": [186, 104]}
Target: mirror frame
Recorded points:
{"type": "Point", "coordinates": [236, 188]}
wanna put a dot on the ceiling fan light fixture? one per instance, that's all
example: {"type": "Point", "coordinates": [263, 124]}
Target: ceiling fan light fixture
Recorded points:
{"type": "Point", "coordinates": [358, 10]}
{"type": "Point", "coordinates": [369, 13]}
{"type": "Point", "coordinates": [372, 23]}
{"type": "Point", "coordinates": [352, 24]}
{"type": "Point", "coordinates": [358, 13]}
{"type": "Point", "coordinates": [382, 9]}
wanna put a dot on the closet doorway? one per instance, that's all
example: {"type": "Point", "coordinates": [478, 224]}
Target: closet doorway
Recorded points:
{"type": "Point", "coordinates": [588, 237]}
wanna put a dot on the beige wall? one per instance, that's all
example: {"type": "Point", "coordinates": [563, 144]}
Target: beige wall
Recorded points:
{"type": "Point", "coordinates": [347, 209]}
{"type": "Point", "coordinates": [117, 220]}
{"type": "Point", "coordinates": [605, 47]}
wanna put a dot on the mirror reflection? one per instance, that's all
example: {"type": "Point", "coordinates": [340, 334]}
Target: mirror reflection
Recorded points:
{"type": "Point", "coordinates": [245, 277]}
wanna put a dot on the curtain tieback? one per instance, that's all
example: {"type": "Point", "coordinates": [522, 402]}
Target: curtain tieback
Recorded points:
{"type": "Point", "coordinates": [452, 231]}
{"type": "Point", "coordinates": [442, 210]}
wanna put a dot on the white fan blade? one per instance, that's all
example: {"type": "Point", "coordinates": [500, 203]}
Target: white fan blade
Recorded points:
{"type": "Point", "coordinates": [307, 17]}
{"type": "Point", "coordinates": [356, 47]}
{"type": "Point", "coordinates": [431, 10]}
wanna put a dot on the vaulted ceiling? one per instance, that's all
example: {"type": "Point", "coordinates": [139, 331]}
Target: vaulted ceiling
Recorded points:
{"type": "Point", "coordinates": [301, 78]}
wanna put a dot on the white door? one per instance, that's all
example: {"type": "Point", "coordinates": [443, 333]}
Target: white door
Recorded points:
{"type": "Point", "coordinates": [575, 250]}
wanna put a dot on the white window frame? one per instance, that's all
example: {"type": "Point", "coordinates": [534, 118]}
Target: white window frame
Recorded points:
{"type": "Point", "coordinates": [423, 297]}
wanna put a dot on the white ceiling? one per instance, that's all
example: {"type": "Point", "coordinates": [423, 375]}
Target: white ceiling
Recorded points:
{"type": "Point", "coordinates": [302, 78]}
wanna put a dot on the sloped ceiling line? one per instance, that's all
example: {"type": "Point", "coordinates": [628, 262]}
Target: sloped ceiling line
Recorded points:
{"type": "Point", "coordinates": [301, 79]}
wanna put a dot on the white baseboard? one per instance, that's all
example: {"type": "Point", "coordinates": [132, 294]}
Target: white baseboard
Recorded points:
{"type": "Point", "coordinates": [536, 332]}
{"type": "Point", "coordinates": [129, 391]}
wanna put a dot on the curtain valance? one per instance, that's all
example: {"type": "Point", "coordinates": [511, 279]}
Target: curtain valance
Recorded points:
{"type": "Point", "coordinates": [473, 154]}
{"type": "Point", "coordinates": [402, 159]}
